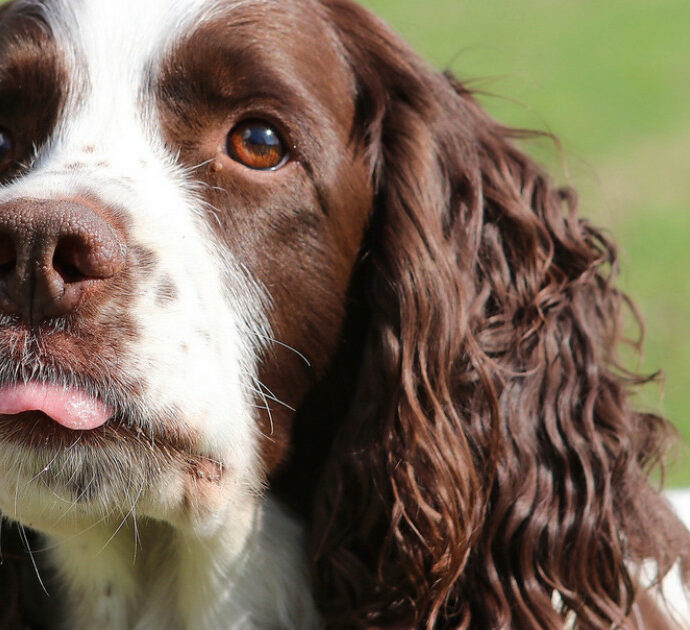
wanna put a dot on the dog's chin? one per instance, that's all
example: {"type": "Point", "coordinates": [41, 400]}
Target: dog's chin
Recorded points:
{"type": "Point", "coordinates": [56, 479]}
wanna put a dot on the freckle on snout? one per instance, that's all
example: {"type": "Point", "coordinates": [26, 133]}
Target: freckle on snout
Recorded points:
{"type": "Point", "coordinates": [166, 291]}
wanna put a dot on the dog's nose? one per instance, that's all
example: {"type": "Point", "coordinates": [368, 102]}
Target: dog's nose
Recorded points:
{"type": "Point", "coordinates": [54, 254]}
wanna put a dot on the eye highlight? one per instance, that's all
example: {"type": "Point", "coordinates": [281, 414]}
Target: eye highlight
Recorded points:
{"type": "Point", "coordinates": [257, 145]}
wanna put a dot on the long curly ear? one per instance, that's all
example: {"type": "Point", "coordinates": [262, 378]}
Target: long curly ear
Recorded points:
{"type": "Point", "coordinates": [487, 457]}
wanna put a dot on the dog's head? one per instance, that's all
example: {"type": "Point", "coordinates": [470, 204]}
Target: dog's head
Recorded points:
{"type": "Point", "coordinates": [181, 210]}
{"type": "Point", "coordinates": [250, 242]}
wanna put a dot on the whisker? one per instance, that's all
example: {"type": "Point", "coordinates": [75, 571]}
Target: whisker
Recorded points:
{"type": "Point", "coordinates": [283, 345]}
{"type": "Point", "coordinates": [269, 395]}
{"type": "Point", "coordinates": [25, 542]}
{"type": "Point", "coordinates": [268, 408]}
{"type": "Point", "coordinates": [196, 167]}
{"type": "Point", "coordinates": [52, 461]}
{"type": "Point", "coordinates": [129, 513]}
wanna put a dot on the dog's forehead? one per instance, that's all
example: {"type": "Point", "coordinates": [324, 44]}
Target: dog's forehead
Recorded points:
{"type": "Point", "coordinates": [129, 38]}
{"type": "Point", "coordinates": [114, 53]}
{"type": "Point", "coordinates": [121, 36]}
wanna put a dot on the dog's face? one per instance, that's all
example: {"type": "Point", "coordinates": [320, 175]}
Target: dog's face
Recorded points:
{"type": "Point", "coordinates": [180, 211]}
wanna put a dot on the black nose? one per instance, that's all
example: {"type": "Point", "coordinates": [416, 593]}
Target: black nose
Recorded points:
{"type": "Point", "coordinates": [53, 254]}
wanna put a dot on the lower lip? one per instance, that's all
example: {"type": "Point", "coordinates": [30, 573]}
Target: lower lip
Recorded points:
{"type": "Point", "coordinates": [71, 408]}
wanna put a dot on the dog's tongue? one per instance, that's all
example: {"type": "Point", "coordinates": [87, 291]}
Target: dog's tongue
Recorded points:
{"type": "Point", "coordinates": [71, 408]}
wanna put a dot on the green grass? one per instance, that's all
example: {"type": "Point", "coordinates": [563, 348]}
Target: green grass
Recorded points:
{"type": "Point", "coordinates": [612, 81]}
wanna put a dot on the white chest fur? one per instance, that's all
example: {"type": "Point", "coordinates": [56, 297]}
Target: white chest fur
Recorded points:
{"type": "Point", "coordinates": [149, 576]}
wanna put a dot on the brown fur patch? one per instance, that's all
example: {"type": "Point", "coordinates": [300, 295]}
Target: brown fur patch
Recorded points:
{"type": "Point", "coordinates": [297, 230]}
{"type": "Point", "coordinates": [32, 80]}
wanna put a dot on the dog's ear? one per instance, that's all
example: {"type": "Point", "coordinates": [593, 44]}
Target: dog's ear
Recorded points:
{"type": "Point", "coordinates": [486, 457]}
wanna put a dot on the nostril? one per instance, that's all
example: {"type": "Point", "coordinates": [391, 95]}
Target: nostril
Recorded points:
{"type": "Point", "coordinates": [8, 254]}
{"type": "Point", "coordinates": [69, 259]}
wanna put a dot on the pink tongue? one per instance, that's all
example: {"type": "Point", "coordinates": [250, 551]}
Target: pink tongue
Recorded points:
{"type": "Point", "coordinates": [71, 408]}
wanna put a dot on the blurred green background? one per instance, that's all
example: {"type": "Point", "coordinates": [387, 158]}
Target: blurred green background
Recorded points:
{"type": "Point", "coordinates": [612, 81]}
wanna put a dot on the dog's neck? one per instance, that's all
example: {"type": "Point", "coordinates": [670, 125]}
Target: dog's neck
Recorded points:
{"type": "Point", "coordinates": [250, 574]}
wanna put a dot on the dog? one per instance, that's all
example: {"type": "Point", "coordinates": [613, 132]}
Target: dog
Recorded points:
{"type": "Point", "coordinates": [293, 336]}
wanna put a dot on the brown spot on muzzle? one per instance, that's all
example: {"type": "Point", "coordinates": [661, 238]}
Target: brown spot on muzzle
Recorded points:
{"type": "Point", "coordinates": [166, 291]}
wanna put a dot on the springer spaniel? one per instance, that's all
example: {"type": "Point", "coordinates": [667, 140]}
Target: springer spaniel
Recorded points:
{"type": "Point", "coordinates": [293, 336]}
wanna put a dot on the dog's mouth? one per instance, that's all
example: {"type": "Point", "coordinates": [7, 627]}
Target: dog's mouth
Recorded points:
{"type": "Point", "coordinates": [79, 430]}
{"type": "Point", "coordinates": [78, 446]}
{"type": "Point", "coordinates": [55, 412]}
{"type": "Point", "coordinates": [69, 407]}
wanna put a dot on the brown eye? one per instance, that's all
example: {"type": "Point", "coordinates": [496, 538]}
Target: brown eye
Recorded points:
{"type": "Point", "coordinates": [257, 145]}
{"type": "Point", "coordinates": [6, 148]}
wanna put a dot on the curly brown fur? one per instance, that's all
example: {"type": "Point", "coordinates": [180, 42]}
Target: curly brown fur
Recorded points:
{"type": "Point", "coordinates": [484, 453]}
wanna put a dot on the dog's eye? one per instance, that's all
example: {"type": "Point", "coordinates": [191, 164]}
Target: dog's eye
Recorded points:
{"type": "Point", "coordinates": [257, 145]}
{"type": "Point", "coordinates": [6, 147]}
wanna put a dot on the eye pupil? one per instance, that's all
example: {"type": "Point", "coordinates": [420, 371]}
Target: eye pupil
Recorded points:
{"type": "Point", "coordinates": [257, 145]}
{"type": "Point", "coordinates": [259, 137]}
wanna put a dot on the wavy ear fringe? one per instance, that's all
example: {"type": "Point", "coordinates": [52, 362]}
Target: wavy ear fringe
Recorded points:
{"type": "Point", "coordinates": [485, 455]}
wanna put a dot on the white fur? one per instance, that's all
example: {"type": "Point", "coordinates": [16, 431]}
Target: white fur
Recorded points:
{"type": "Point", "coordinates": [171, 581]}
{"type": "Point", "coordinates": [670, 595]}
{"type": "Point", "coordinates": [237, 563]}
{"type": "Point", "coordinates": [673, 591]}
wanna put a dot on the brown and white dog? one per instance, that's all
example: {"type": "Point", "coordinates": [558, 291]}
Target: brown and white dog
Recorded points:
{"type": "Point", "coordinates": [292, 336]}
